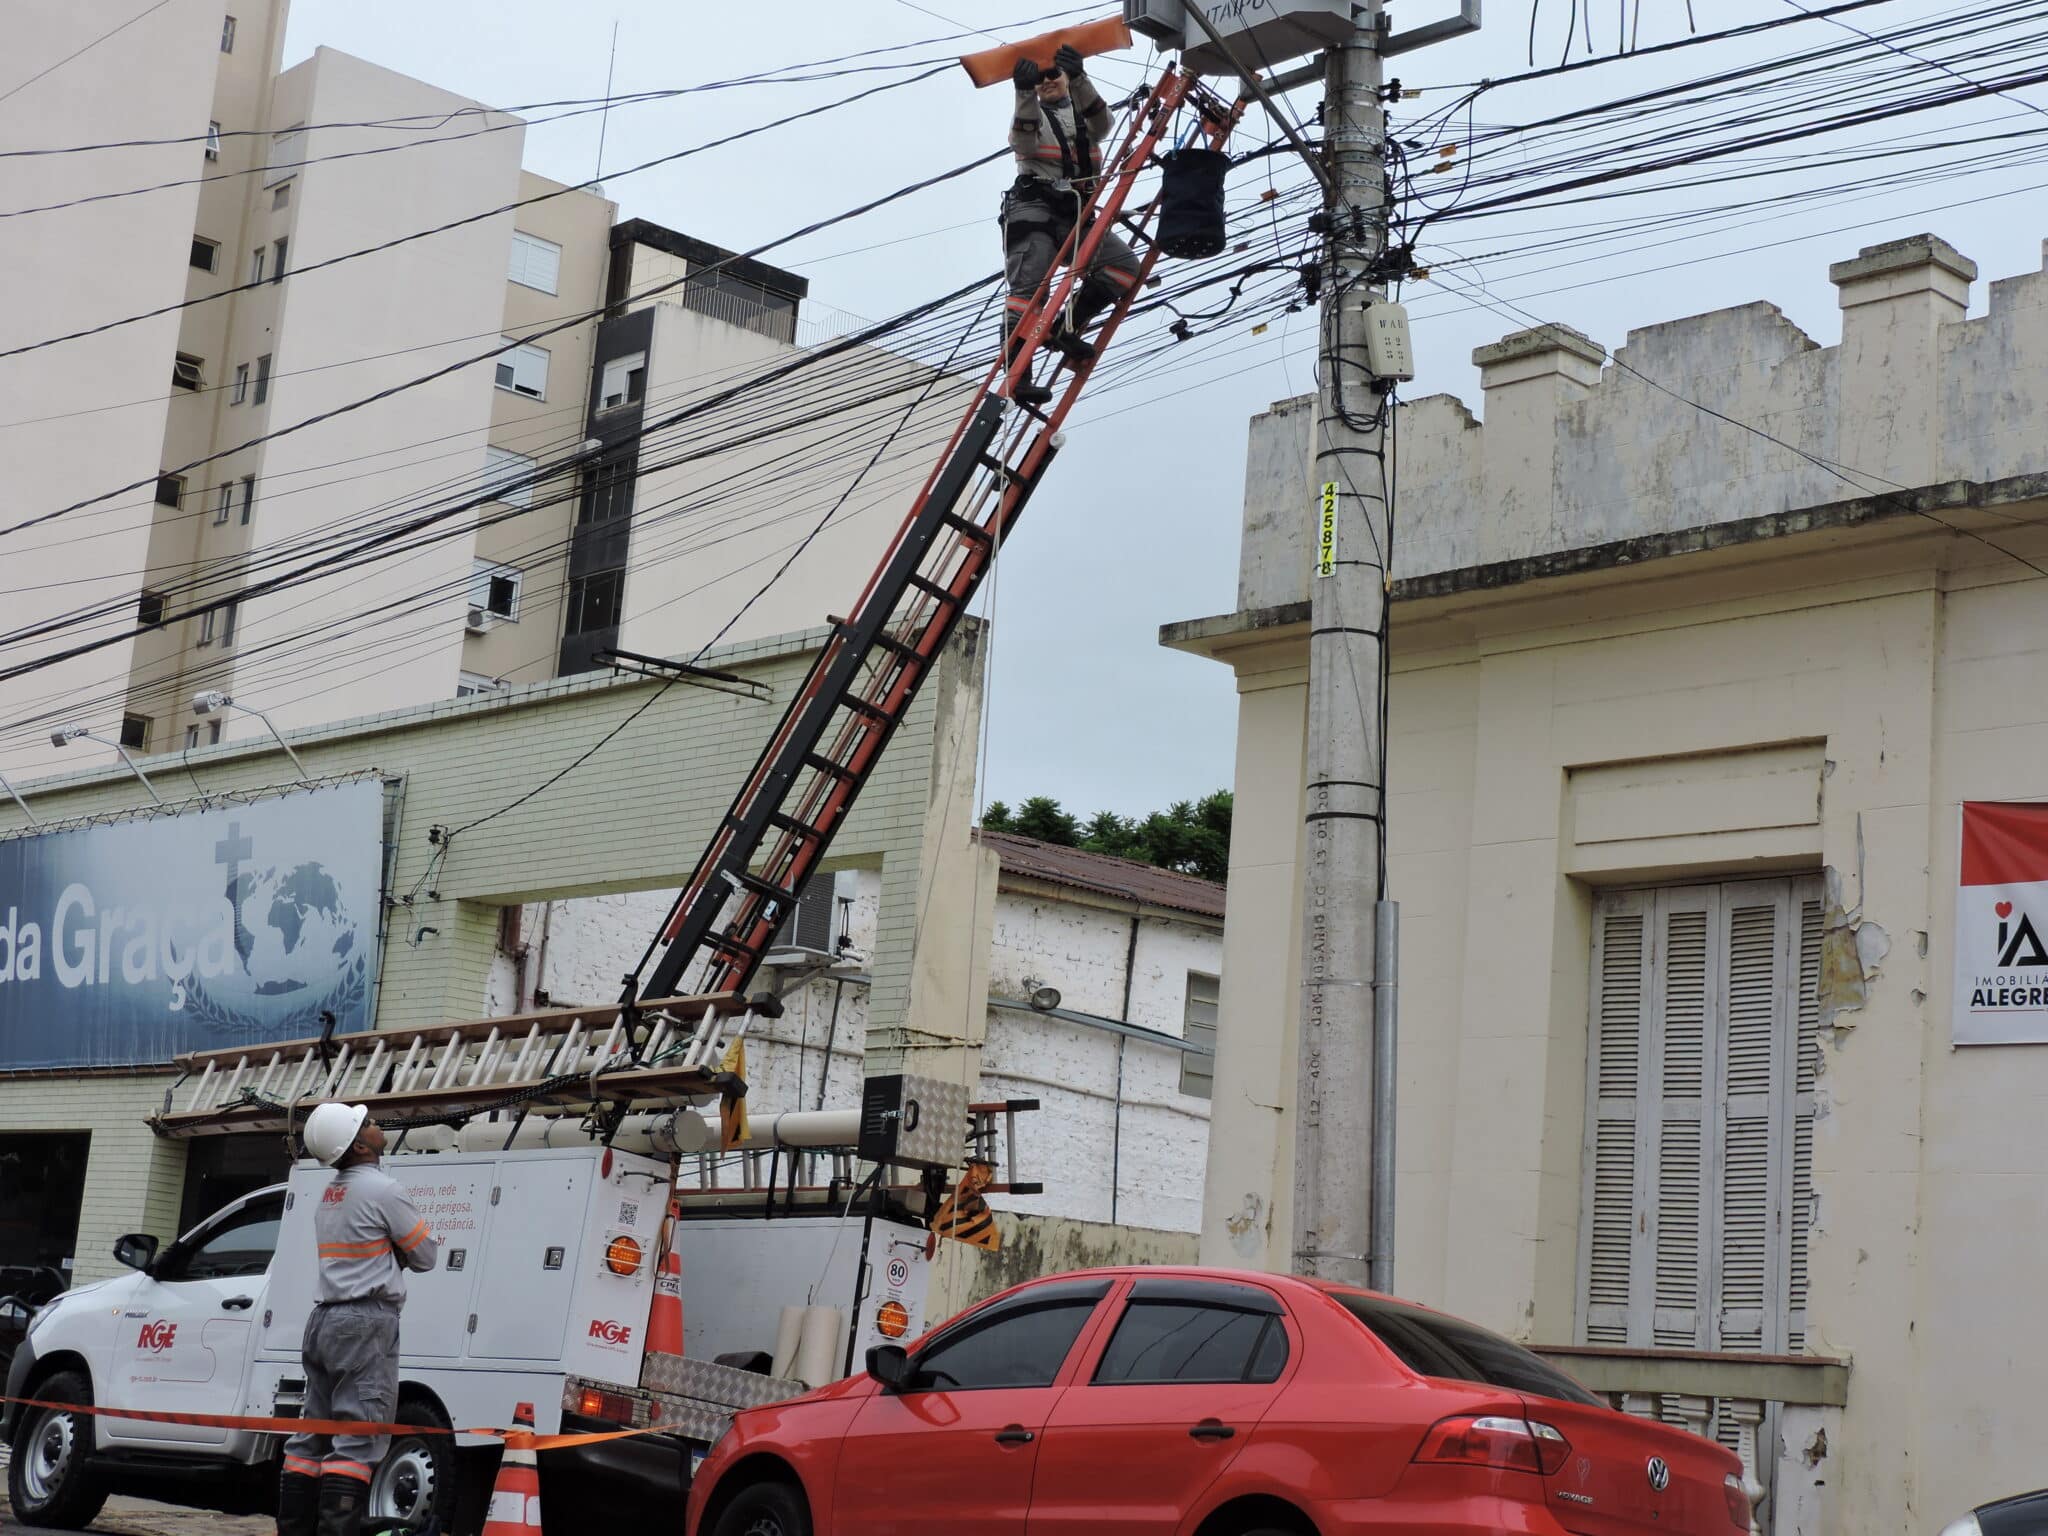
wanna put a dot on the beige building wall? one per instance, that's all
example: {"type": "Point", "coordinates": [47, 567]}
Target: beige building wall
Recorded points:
{"type": "Point", "coordinates": [1633, 646]}
{"type": "Point", "coordinates": [536, 543]}
{"type": "Point", "coordinates": [800, 501]}
{"type": "Point", "coordinates": [68, 435]}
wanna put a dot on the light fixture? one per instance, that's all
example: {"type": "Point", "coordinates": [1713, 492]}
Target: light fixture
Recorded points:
{"type": "Point", "coordinates": [64, 735]}
{"type": "Point", "coordinates": [1044, 998]}
{"type": "Point", "coordinates": [211, 699]}
{"type": "Point", "coordinates": [16, 795]}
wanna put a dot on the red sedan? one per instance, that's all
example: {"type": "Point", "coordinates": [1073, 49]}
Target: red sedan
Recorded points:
{"type": "Point", "coordinates": [1206, 1403]}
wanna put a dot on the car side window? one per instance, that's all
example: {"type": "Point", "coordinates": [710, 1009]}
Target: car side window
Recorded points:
{"type": "Point", "coordinates": [1022, 1346]}
{"type": "Point", "coordinates": [1189, 1341]}
{"type": "Point", "coordinates": [240, 1245]}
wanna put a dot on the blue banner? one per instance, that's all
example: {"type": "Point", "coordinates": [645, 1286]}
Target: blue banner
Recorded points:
{"type": "Point", "coordinates": [128, 943]}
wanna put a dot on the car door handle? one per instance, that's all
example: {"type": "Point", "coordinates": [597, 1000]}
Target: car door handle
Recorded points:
{"type": "Point", "coordinates": [238, 1303]}
{"type": "Point", "coordinates": [1016, 1434]}
{"type": "Point", "coordinates": [1211, 1429]}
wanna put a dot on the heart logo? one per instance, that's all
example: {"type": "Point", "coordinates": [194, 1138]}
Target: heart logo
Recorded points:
{"type": "Point", "coordinates": [2003, 909]}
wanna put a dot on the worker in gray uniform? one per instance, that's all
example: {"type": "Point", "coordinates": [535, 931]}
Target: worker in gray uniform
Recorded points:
{"type": "Point", "coordinates": [1056, 132]}
{"type": "Point", "coordinates": [368, 1234]}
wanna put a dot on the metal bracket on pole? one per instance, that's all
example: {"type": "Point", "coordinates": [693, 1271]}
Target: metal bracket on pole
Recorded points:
{"type": "Point", "coordinates": [1467, 20]}
{"type": "Point", "coordinates": [1250, 79]}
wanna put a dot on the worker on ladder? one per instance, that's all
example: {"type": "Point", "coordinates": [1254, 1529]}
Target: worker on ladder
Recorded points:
{"type": "Point", "coordinates": [369, 1234]}
{"type": "Point", "coordinates": [1057, 131]}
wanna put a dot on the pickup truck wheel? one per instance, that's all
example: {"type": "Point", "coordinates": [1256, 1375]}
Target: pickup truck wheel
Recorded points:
{"type": "Point", "coordinates": [417, 1477]}
{"type": "Point", "coordinates": [49, 1479]}
{"type": "Point", "coordinates": [766, 1509]}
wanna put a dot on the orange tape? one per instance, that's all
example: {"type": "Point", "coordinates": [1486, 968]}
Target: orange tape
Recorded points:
{"type": "Point", "coordinates": [515, 1439]}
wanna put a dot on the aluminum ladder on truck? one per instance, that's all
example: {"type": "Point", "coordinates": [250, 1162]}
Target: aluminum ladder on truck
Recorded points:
{"type": "Point", "coordinates": [863, 681]}
{"type": "Point", "coordinates": [665, 1053]}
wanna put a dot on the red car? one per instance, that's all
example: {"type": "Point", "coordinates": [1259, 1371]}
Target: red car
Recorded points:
{"type": "Point", "coordinates": [1208, 1403]}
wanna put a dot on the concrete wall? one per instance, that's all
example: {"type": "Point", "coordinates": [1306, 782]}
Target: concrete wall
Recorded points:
{"type": "Point", "coordinates": [1043, 1245]}
{"type": "Point", "coordinates": [1634, 645]}
{"type": "Point", "coordinates": [67, 435]}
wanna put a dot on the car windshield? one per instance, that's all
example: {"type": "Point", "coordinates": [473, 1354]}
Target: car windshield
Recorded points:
{"type": "Point", "coordinates": [1430, 1344]}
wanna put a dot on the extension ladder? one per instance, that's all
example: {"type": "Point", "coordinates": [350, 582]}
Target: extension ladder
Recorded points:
{"type": "Point", "coordinates": [662, 1054]}
{"type": "Point", "coordinates": [865, 678]}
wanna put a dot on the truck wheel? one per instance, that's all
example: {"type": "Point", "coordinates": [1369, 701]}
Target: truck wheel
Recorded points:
{"type": "Point", "coordinates": [417, 1478]}
{"type": "Point", "coordinates": [49, 1480]}
{"type": "Point", "coordinates": [766, 1509]}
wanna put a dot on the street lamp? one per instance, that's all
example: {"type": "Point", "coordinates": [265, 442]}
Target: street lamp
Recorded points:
{"type": "Point", "coordinates": [206, 703]}
{"type": "Point", "coordinates": [63, 736]}
{"type": "Point", "coordinates": [11, 790]}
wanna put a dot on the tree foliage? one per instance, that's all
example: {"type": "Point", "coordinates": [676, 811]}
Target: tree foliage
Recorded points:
{"type": "Point", "coordinates": [1189, 836]}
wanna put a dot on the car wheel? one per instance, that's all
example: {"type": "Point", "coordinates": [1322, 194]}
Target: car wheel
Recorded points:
{"type": "Point", "coordinates": [50, 1481]}
{"type": "Point", "coordinates": [766, 1509]}
{"type": "Point", "coordinates": [417, 1481]}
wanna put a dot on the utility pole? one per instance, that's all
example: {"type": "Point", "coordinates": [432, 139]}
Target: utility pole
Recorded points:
{"type": "Point", "coordinates": [1342, 1125]}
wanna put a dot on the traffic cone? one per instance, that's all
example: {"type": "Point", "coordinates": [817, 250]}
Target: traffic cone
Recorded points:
{"type": "Point", "coordinates": [665, 1312]}
{"type": "Point", "coordinates": [515, 1497]}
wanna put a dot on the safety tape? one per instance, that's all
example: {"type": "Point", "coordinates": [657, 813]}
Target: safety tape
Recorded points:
{"type": "Point", "coordinates": [515, 1439]}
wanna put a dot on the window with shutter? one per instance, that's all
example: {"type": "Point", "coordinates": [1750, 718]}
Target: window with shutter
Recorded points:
{"type": "Point", "coordinates": [1703, 1068]}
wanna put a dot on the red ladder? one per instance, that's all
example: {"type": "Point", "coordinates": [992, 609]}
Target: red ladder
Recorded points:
{"type": "Point", "coordinates": [863, 681]}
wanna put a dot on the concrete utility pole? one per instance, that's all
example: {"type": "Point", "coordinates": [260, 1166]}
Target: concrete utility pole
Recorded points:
{"type": "Point", "coordinates": [1344, 1101]}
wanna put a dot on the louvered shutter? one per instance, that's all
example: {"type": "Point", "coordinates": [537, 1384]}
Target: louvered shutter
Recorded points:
{"type": "Point", "coordinates": [1704, 1064]}
{"type": "Point", "coordinates": [1806, 1094]}
{"type": "Point", "coordinates": [1621, 993]}
{"type": "Point", "coordinates": [1754, 942]}
{"type": "Point", "coordinates": [1681, 1199]}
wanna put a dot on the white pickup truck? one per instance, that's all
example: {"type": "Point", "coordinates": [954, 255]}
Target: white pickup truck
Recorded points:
{"type": "Point", "coordinates": [540, 1297]}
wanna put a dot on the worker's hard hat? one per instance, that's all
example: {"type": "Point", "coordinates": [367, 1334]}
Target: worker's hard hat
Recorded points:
{"type": "Point", "coordinates": [331, 1130]}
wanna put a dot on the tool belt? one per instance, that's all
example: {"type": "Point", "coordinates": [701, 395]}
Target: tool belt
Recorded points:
{"type": "Point", "coordinates": [1033, 202]}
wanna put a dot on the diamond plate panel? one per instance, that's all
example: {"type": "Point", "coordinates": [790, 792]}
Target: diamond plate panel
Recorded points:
{"type": "Point", "coordinates": [707, 1382]}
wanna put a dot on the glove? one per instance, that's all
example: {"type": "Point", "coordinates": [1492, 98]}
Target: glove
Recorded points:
{"type": "Point", "coordinates": [1069, 61]}
{"type": "Point", "coordinates": [1026, 75]}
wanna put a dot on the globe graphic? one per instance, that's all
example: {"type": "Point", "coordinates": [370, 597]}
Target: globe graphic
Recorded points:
{"type": "Point", "coordinates": [295, 941]}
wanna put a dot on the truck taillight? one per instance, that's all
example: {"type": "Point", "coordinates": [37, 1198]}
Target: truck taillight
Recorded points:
{"type": "Point", "coordinates": [622, 1255]}
{"type": "Point", "coordinates": [1739, 1508]}
{"type": "Point", "coordinates": [1496, 1440]}
{"type": "Point", "coordinates": [608, 1407]}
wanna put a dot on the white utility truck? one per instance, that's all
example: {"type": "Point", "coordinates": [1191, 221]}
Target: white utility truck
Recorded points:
{"type": "Point", "coordinates": [541, 1296]}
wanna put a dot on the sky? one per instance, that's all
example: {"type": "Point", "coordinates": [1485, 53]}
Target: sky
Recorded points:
{"type": "Point", "coordinates": [1138, 523]}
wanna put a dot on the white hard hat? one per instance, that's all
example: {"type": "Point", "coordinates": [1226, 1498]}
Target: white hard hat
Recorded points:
{"type": "Point", "coordinates": [331, 1129]}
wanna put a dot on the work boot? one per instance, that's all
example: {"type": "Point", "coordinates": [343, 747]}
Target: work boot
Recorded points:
{"type": "Point", "coordinates": [342, 1502]}
{"type": "Point", "coordinates": [298, 1504]}
{"type": "Point", "coordinates": [1026, 391]}
{"type": "Point", "coordinates": [1069, 336]}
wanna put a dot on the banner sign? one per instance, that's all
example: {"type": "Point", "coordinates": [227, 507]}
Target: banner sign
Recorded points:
{"type": "Point", "coordinates": [127, 943]}
{"type": "Point", "coordinates": [2001, 978]}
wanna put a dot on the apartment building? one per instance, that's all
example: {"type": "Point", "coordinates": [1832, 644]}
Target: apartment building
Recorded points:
{"type": "Point", "coordinates": [381, 329]}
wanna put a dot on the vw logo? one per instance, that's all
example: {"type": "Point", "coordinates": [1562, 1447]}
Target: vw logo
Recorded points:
{"type": "Point", "coordinates": [1660, 1474]}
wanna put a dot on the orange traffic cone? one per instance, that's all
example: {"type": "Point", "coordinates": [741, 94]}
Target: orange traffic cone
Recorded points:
{"type": "Point", "coordinates": [665, 1312]}
{"type": "Point", "coordinates": [515, 1497]}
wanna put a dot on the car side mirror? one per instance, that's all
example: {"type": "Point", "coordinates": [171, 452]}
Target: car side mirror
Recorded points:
{"type": "Point", "coordinates": [890, 1365]}
{"type": "Point", "coordinates": [137, 1250]}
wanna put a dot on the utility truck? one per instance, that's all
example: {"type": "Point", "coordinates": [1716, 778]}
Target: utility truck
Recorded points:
{"type": "Point", "coordinates": [552, 1242]}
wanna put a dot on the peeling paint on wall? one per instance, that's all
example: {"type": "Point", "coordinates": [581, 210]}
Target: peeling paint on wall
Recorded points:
{"type": "Point", "coordinates": [1852, 948]}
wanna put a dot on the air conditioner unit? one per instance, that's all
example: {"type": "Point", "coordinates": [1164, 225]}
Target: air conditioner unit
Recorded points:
{"type": "Point", "coordinates": [479, 619]}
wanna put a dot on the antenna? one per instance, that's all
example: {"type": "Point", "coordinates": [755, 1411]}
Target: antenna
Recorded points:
{"type": "Point", "coordinates": [604, 118]}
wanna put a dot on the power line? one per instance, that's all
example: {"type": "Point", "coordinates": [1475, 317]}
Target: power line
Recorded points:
{"type": "Point", "coordinates": [16, 90]}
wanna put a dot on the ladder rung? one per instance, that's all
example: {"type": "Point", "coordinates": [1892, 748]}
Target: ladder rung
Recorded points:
{"type": "Point", "coordinates": [726, 946]}
{"type": "Point", "coordinates": [972, 530]}
{"type": "Point", "coordinates": [794, 827]}
{"type": "Point", "coordinates": [825, 765]}
{"type": "Point", "coordinates": [901, 648]}
{"type": "Point", "coordinates": [932, 589]}
{"type": "Point", "coordinates": [767, 888]}
{"type": "Point", "coordinates": [861, 706]}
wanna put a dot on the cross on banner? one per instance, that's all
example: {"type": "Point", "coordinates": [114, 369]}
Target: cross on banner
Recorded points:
{"type": "Point", "coordinates": [231, 850]}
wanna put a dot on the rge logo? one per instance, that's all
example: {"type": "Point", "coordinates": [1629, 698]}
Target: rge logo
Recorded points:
{"type": "Point", "coordinates": [157, 1336]}
{"type": "Point", "coordinates": [610, 1332]}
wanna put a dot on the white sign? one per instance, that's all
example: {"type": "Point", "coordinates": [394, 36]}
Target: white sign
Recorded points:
{"type": "Point", "coordinates": [2001, 933]}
